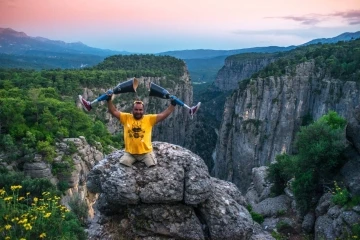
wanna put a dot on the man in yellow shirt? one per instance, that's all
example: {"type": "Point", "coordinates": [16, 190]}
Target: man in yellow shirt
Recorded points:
{"type": "Point", "coordinates": [137, 132]}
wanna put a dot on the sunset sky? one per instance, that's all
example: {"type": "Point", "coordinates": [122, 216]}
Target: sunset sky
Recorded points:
{"type": "Point", "coordinates": [152, 26]}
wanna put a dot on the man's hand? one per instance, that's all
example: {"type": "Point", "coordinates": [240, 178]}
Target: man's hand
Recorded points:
{"type": "Point", "coordinates": [173, 102]}
{"type": "Point", "coordinates": [110, 95]}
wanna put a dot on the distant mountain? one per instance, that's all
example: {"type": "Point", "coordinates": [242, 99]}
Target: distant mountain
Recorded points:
{"type": "Point", "coordinates": [342, 37]}
{"type": "Point", "coordinates": [18, 50]}
{"type": "Point", "coordinates": [209, 53]}
{"type": "Point", "coordinates": [203, 64]}
{"type": "Point", "coordinates": [13, 42]}
{"type": "Point", "coordinates": [48, 60]}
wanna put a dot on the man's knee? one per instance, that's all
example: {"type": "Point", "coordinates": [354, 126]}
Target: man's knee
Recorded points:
{"type": "Point", "coordinates": [150, 159]}
{"type": "Point", "coordinates": [127, 159]}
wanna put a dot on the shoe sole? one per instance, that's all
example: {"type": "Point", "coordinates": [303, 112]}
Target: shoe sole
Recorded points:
{"type": "Point", "coordinates": [82, 104]}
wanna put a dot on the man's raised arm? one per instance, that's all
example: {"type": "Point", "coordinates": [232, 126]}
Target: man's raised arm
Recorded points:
{"type": "Point", "coordinates": [161, 116]}
{"type": "Point", "coordinates": [112, 109]}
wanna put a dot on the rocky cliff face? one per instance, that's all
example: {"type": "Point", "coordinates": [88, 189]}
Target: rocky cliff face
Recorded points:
{"type": "Point", "coordinates": [70, 168]}
{"type": "Point", "coordinates": [236, 70]}
{"type": "Point", "coordinates": [327, 221]}
{"type": "Point", "coordinates": [175, 129]}
{"type": "Point", "coordinates": [176, 199]}
{"type": "Point", "coordinates": [261, 119]}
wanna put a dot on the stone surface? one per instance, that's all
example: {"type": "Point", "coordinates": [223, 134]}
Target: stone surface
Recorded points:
{"type": "Point", "coordinates": [225, 218]}
{"type": "Point", "coordinates": [308, 222]}
{"type": "Point", "coordinates": [350, 171]}
{"type": "Point", "coordinates": [176, 199]}
{"type": "Point", "coordinates": [272, 207]}
{"type": "Point", "coordinates": [261, 185]}
{"type": "Point", "coordinates": [179, 176]}
{"type": "Point", "coordinates": [261, 119]}
{"type": "Point", "coordinates": [236, 70]}
{"type": "Point", "coordinates": [38, 170]}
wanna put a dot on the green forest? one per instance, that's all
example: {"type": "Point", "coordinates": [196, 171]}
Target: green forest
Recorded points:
{"type": "Point", "coordinates": [341, 60]}
{"type": "Point", "coordinates": [37, 108]}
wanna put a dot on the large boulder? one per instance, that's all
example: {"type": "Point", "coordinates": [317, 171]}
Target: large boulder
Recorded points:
{"type": "Point", "coordinates": [179, 176]}
{"type": "Point", "coordinates": [272, 207]}
{"type": "Point", "coordinates": [176, 199]}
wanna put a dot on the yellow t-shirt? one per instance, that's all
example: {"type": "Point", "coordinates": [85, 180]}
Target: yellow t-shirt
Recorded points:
{"type": "Point", "coordinates": [137, 133]}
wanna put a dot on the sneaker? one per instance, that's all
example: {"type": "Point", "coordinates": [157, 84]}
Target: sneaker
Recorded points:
{"type": "Point", "coordinates": [86, 104]}
{"type": "Point", "coordinates": [194, 109]}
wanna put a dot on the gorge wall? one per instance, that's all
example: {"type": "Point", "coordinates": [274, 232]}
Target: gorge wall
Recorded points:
{"type": "Point", "coordinates": [261, 119]}
{"type": "Point", "coordinates": [236, 70]}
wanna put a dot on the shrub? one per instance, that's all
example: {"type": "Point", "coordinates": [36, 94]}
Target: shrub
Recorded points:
{"type": "Point", "coordinates": [24, 217]}
{"type": "Point", "coordinates": [279, 173]}
{"type": "Point", "coordinates": [257, 217]}
{"type": "Point", "coordinates": [46, 150]}
{"type": "Point", "coordinates": [278, 236]}
{"type": "Point", "coordinates": [304, 188]}
{"type": "Point", "coordinates": [319, 156]}
{"type": "Point", "coordinates": [71, 148]}
{"type": "Point", "coordinates": [341, 195]}
{"type": "Point", "coordinates": [254, 215]}
{"type": "Point", "coordinates": [283, 227]}
{"type": "Point", "coordinates": [355, 231]}
{"type": "Point", "coordinates": [320, 147]}
{"type": "Point", "coordinates": [354, 201]}
{"type": "Point", "coordinates": [79, 208]}
{"type": "Point", "coordinates": [63, 186]}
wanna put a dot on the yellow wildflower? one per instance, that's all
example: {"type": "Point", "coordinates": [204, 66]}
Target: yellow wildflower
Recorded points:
{"type": "Point", "coordinates": [7, 238]}
{"type": "Point", "coordinates": [22, 221]}
{"type": "Point", "coordinates": [13, 188]}
{"type": "Point", "coordinates": [2, 191]}
{"type": "Point", "coordinates": [7, 198]}
{"type": "Point", "coordinates": [22, 238]}
{"type": "Point", "coordinates": [7, 227]}
{"type": "Point", "coordinates": [27, 226]}
{"type": "Point", "coordinates": [35, 199]}
{"type": "Point", "coordinates": [43, 235]}
{"type": "Point", "coordinates": [47, 215]}
{"type": "Point", "coordinates": [21, 198]}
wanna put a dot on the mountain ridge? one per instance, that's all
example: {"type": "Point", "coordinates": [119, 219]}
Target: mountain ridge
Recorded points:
{"type": "Point", "coordinates": [18, 50]}
{"type": "Point", "coordinates": [182, 54]}
{"type": "Point", "coordinates": [17, 43]}
{"type": "Point", "coordinates": [187, 53]}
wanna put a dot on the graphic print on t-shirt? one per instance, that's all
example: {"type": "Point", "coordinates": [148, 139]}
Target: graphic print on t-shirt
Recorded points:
{"type": "Point", "coordinates": [136, 131]}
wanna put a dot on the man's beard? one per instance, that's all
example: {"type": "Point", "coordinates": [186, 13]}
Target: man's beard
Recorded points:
{"type": "Point", "coordinates": [138, 116]}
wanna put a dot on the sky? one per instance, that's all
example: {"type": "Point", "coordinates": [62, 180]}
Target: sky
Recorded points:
{"type": "Point", "coordinates": [153, 26]}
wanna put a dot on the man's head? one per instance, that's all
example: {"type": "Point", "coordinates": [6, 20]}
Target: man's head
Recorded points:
{"type": "Point", "coordinates": [138, 110]}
